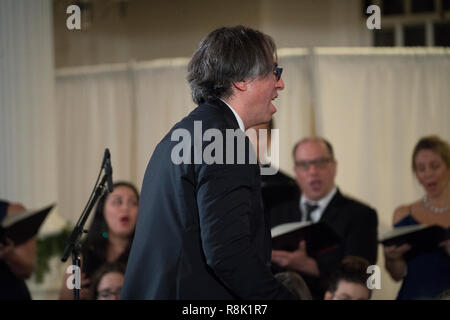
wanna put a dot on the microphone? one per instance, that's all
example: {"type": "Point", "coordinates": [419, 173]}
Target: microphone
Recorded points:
{"type": "Point", "coordinates": [108, 170]}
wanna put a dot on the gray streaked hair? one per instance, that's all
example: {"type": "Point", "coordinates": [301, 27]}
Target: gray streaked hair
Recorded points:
{"type": "Point", "coordinates": [228, 55]}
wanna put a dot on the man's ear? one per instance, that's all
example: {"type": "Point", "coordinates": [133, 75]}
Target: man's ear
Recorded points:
{"type": "Point", "coordinates": [241, 85]}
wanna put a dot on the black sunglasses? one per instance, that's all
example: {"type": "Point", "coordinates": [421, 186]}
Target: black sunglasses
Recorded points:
{"type": "Point", "coordinates": [277, 71]}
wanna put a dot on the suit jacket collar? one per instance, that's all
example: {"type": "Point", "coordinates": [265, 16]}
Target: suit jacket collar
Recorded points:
{"type": "Point", "coordinates": [332, 209]}
{"type": "Point", "coordinates": [230, 119]}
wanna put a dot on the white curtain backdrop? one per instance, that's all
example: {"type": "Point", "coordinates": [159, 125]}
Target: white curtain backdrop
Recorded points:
{"type": "Point", "coordinates": [94, 112]}
{"type": "Point", "coordinates": [27, 111]}
{"type": "Point", "coordinates": [28, 159]}
{"type": "Point", "coordinates": [127, 108]}
{"type": "Point", "coordinates": [163, 98]}
{"type": "Point", "coordinates": [294, 116]}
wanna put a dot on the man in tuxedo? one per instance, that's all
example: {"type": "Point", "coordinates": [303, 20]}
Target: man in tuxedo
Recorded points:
{"type": "Point", "coordinates": [318, 199]}
{"type": "Point", "coordinates": [201, 232]}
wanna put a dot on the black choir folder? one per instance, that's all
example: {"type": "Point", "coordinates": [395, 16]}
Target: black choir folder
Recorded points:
{"type": "Point", "coordinates": [23, 225]}
{"type": "Point", "coordinates": [320, 237]}
{"type": "Point", "coordinates": [420, 237]}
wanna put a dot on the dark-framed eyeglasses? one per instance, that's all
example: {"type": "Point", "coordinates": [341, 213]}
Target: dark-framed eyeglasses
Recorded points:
{"type": "Point", "coordinates": [277, 71]}
{"type": "Point", "coordinates": [320, 163]}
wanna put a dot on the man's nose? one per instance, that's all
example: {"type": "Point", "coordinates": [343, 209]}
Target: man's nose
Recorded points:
{"type": "Point", "coordinates": [280, 84]}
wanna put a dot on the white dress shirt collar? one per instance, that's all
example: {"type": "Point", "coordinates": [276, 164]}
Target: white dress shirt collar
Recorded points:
{"type": "Point", "coordinates": [238, 118]}
{"type": "Point", "coordinates": [322, 205]}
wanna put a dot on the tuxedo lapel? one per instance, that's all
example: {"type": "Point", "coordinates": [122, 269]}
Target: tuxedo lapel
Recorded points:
{"type": "Point", "coordinates": [332, 210]}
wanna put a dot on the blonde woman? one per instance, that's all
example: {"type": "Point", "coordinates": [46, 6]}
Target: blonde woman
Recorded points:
{"type": "Point", "coordinates": [425, 275]}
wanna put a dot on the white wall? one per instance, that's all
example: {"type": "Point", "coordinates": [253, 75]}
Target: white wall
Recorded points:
{"type": "Point", "coordinates": [161, 29]}
{"type": "Point", "coordinates": [304, 23]}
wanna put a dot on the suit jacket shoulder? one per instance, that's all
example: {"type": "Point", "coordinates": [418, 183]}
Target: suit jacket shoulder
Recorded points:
{"type": "Point", "coordinates": [351, 205]}
{"type": "Point", "coordinates": [357, 223]}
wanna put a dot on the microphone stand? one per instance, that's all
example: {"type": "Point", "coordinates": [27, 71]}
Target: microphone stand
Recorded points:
{"type": "Point", "coordinates": [74, 244]}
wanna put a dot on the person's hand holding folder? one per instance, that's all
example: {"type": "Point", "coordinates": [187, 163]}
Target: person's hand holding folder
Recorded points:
{"type": "Point", "coordinates": [396, 252]}
{"type": "Point", "coordinates": [297, 260]}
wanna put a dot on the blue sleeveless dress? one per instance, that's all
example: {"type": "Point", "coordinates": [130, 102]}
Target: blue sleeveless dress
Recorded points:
{"type": "Point", "coordinates": [428, 273]}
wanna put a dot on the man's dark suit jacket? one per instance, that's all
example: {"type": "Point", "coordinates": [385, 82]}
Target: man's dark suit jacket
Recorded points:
{"type": "Point", "coordinates": [275, 189]}
{"type": "Point", "coordinates": [355, 222]}
{"type": "Point", "coordinates": [201, 232]}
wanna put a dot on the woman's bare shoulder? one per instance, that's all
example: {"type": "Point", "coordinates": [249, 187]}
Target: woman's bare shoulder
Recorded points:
{"type": "Point", "coordinates": [401, 212]}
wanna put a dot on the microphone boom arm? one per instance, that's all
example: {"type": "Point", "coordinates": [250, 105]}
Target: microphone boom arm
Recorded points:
{"type": "Point", "coordinates": [74, 244]}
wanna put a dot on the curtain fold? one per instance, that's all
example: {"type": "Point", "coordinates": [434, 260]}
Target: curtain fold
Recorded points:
{"type": "Point", "coordinates": [294, 116]}
{"type": "Point", "coordinates": [28, 159]}
{"type": "Point", "coordinates": [94, 112]}
{"type": "Point", "coordinates": [27, 110]}
{"type": "Point", "coordinates": [374, 108]}
{"type": "Point", "coordinates": [162, 98]}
